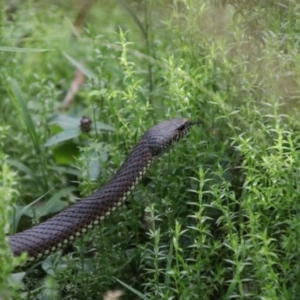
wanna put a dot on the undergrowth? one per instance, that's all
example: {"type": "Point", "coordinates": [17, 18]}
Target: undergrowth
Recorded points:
{"type": "Point", "coordinates": [217, 217]}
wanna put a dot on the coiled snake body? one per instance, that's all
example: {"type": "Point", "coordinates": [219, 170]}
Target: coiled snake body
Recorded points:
{"type": "Point", "coordinates": [76, 220]}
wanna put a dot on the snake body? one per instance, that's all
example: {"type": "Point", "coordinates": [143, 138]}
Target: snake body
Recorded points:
{"type": "Point", "coordinates": [71, 223]}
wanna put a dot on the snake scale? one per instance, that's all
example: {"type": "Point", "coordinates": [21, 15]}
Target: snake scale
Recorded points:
{"type": "Point", "coordinates": [71, 223]}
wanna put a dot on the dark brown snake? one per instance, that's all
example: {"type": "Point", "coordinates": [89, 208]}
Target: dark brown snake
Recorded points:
{"type": "Point", "coordinates": [68, 225]}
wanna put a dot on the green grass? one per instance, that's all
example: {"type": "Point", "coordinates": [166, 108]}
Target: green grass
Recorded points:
{"type": "Point", "coordinates": [217, 217]}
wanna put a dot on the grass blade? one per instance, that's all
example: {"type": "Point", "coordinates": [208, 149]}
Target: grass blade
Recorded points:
{"type": "Point", "coordinates": [26, 50]}
{"type": "Point", "coordinates": [22, 211]}
{"type": "Point", "coordinates": [169, 264]}
{"type": "Point", "coordinates": [51, 206]}
{"type": "Point", "coordinates": [132, 289]}
{"type": "Point", "coordinates": [21, 106]}
{"type": "Point", "coordinates": [21, 167]}
{"type": "Point", "coordinates": [86, 71]}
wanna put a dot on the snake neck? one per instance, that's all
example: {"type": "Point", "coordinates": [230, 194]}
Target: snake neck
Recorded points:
{"type": "Point", "coordinates": [132, 169]}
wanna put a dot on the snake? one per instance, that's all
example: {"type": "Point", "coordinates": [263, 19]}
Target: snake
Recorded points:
{"type": "Point", "coordinates": [68, 225]}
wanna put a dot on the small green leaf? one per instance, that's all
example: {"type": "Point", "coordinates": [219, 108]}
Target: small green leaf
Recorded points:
{"type": "Point", "coordinates": [52, 264]}
{"type": "Point", "coordinates": [102, 126]}
{"type": "Point", "coordinates": [65, 121]}
{"type": "Point", "coordinates": [63, 136]}
{"type": "Point", "coordinates": [94, 166]}
{"type": "Point", "coordinates": [17, 277]}
{"type": "Point", "coordinates": [66, 153]}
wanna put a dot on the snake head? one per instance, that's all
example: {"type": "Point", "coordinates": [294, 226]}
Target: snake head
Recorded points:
{"type": "Point", "coordinates": [165, 134]}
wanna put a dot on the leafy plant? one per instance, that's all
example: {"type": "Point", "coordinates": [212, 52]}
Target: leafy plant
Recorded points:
{"type": "Point", "coordinates": [216, 217]}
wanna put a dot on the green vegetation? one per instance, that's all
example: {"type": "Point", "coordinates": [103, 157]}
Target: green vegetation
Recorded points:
{"type": "Point", "coordinates": [218, 217]}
